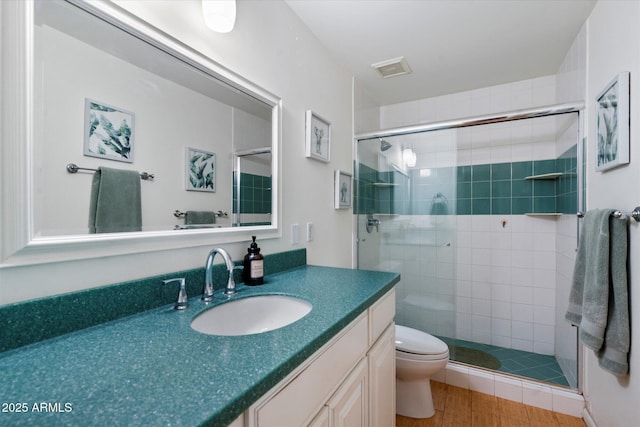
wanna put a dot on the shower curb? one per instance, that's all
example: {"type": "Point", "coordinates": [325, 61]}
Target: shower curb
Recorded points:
{"type": "Point", "coordinates": [528, 392]}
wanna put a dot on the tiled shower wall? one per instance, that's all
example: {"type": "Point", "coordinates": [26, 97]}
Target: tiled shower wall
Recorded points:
{"type": "Point", "coordinates": [479, 271]}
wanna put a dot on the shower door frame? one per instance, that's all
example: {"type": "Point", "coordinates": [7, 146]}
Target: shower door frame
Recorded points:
{"type": "Point", "coordinates": [545, 111]}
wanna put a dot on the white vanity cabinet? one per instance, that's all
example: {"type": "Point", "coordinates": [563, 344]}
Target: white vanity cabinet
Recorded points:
{"type": "Point", "coordinates": [348, 382]}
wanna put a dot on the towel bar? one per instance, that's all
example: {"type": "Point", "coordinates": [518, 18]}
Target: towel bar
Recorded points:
{"type": "Point", "coordinates": [195, 226]}
{"type": "Point", "coordinates": [220, 214]}
{"type": "Point", "coordinates": [635, 214]}
{"type": "Point", "coordinates": [73, 168]}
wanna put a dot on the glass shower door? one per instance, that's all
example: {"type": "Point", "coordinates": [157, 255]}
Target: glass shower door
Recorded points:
{"type": "Point", "coordinates": [406, 206]}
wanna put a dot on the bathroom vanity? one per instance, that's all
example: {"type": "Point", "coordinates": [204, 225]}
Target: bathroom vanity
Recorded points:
{"type": "Point", "coordinates": [152, 368]}
{"type": "Point", "coordinates": [351, 378]}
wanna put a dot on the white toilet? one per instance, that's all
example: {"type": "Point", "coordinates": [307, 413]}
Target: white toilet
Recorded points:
{"type": "Point", "coordinates": [418, 357]}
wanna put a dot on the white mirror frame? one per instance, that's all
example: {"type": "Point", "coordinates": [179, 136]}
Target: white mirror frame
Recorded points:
{"type": "Point", "coordinates": [19, 244]}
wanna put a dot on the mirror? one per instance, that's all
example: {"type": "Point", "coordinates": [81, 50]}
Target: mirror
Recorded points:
{"type": "Point", "coordinates": [111, 91]}
{"type": "Point", "coordinates": [105, 98]}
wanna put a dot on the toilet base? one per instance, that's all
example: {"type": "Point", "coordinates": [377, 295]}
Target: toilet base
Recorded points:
{"type": "Point", "coordinates": [413, 398]}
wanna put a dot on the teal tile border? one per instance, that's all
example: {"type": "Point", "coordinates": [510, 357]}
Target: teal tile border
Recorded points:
{"type": "Point", "coordinates": [487, 189]}
{"type": "Point", "coordinates": [36, 320]}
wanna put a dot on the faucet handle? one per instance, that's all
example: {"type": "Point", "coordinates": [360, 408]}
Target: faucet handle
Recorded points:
{"type": "Point", "coordinates": [182, 302]}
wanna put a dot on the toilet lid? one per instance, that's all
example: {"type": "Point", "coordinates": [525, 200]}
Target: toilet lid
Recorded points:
{"type": "Point", "coordinates": [417, 342]}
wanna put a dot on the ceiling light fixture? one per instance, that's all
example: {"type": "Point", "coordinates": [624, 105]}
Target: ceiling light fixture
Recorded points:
{"type": "Point", "coordinates": [392, 67]}
{"type": "Point", "coordinates": [219, 15]}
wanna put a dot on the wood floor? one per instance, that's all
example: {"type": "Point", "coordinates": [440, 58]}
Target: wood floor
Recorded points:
{"type": "Point", "coordinates": [457, 407]}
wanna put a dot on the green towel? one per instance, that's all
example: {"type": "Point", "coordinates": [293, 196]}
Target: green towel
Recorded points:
{"type": "Point", "coordinates": [598, 302]}
{"type": "Point", "coordinates": [199, 217]}
{"type": "Point", "coordinates": [614, 355]}
{"type": "Point", "coordinates": [115, 204]}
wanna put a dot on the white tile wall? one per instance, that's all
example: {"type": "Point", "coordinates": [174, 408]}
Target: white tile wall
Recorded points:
{"type": "Point", "coordinates": [507, 97]}
{"type": "Point", "coordinates": [512, 290]}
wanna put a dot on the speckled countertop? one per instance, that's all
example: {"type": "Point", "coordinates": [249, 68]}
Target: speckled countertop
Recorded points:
{"type": "Point", "coordinates": [152, 369]}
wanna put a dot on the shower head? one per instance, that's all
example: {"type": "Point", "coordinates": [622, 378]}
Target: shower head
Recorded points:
{"type": "Point", "coordinates": [384, 145]}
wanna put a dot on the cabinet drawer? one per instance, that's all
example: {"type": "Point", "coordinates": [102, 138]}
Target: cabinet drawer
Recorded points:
{"type": "Point", "coordinates": [307, 392]}
{"type": "Point", "coordinates": [381, 314]}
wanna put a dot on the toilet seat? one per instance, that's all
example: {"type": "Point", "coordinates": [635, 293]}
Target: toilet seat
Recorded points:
{"type": "Point", "coordinates": [412, 344]}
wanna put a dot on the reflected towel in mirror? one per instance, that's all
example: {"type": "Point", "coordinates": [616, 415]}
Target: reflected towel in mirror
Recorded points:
{"type": "Point", "coordinates": [115, 204]}
{"type": "Point", "coordinates": [199, 217]}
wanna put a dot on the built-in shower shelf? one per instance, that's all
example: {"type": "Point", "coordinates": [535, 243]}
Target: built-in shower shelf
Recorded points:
{"type": "Point", "coordinates": [384, 184]}
{"type": "Point", "coordinates": [543, 214]}
{"type": "Point", "coordinates": [553, 175]}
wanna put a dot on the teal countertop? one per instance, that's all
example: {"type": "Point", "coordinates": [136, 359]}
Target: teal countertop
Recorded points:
{"type": "Point", "coordinates": [152, 369]}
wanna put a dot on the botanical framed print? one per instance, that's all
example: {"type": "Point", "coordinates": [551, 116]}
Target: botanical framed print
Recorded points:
{"type": "Point", "coordinates": [342, 191]}
{"type": "Point", "coordinates": [108, 131]}
{"type": "Point", "coordinates": [200, 170]}
{"type": "Point", "coordinates": [612, 124]}
{"type": "Point", "coordinates": [318, 137]}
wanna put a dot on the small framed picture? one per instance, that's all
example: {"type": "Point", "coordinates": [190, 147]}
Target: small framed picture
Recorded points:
{"type": "Point", "coordinates": [612, 124]}
{"type": "Point", "coordinates": [108, 131]}
{"type": "Point", "coordinates": [200, 170]}
{"type": "Point", "coordinates": [318, 137]}
{"type": "Point", "coordinates": [342, 190]}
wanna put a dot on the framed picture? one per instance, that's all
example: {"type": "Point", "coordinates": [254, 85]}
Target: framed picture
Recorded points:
{"type": "Point", "coordinates": [342, 192]}
{"type": "Point", "coordinates": [612, 124]}
{"type": "Point", "coordinates": [200, 170]}
{"type": "Point", "coordinates": [318, 137]}
{"type": "Point", "coordinates": [108, 131]}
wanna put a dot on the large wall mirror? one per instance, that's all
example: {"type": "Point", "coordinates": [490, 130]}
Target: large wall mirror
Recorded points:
{"type": "Point", "coordinates": [108, 97]}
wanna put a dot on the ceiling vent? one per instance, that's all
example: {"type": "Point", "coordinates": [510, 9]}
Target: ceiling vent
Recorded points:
{"type": "Point", "coordinates": [392, 67]}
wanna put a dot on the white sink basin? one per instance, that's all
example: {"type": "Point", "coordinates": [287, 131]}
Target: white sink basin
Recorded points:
{"type": "Point", "coordinates": [252, 315]}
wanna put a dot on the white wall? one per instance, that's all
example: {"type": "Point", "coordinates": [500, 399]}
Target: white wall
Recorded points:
{"type": "Point", "coordinates": [271, 47]}
{"type": "Point", "coordinates": [614, 46]}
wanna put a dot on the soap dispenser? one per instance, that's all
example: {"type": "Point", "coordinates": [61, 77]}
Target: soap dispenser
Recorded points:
{"type": "Point", "coordinates": [253, 273]}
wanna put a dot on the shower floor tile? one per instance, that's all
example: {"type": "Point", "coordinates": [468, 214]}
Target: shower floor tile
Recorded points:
{"type": "Point", "coordinates": [517, 362]}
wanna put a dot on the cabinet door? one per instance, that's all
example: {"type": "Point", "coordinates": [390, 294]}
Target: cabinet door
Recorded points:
{"type": "Point", "coordinates": [349, 405]}
{"type": "Point", "coordinates": [239, 422]}
{"type": "Point", "coordinates": [322, 419]}
{"type": "Point", "coordinates": [382, 380]}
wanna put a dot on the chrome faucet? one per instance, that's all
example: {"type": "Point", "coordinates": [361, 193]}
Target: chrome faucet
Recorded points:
{"type": "Point", "coordinates": [208, 274]}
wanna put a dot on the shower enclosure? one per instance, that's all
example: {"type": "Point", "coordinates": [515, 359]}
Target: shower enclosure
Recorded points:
{"type": "Point", "coordinates": [479, 217]}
